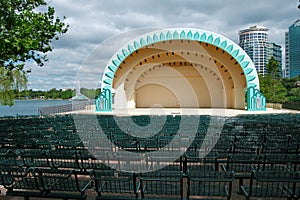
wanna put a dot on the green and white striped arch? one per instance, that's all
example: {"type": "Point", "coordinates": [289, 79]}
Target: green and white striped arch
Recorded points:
{"type": "Point", "coordinates": [234, 50]}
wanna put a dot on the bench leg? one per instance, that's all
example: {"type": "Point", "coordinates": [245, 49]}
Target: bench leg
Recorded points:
{"type": "Point", "coordinates": [241, 182]}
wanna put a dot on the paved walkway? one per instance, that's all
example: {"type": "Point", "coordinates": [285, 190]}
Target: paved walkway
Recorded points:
{"type": "Point", "coordinates": [188, 111]}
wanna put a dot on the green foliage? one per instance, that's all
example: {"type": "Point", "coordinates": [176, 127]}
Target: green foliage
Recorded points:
{"type": "Point", "coordinates": [293, 87]}
{"type": "Point", "coordinates": [67, 94]}
{"type": "Point", "coordinates": [11, 79]}
{"type": "Point", "coordinates": [294, 94]}
{"type": "Point", "coordinates": [294, 105]}
{"type": "Point", "coordinates": [50, 94]}
{"type": "Point", "coordinates": [271, 83]}
{"type": "Point", "coordinates": [54, 93]}
{"type": "Point", "coordinates": [26, 34]}
{"type": "Point", "coordinates": [90, 93]}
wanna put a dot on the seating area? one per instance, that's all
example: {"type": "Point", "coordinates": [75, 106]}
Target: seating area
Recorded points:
{"type": "Point", "coordinates": [244, 157]}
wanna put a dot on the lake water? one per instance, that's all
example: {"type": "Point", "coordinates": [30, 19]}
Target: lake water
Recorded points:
{"type": "Point", "coordinates": [29, 107]}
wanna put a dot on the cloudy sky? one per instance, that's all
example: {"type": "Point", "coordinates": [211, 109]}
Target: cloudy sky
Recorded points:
{"type": "Point", "coordinates": [92, 22]}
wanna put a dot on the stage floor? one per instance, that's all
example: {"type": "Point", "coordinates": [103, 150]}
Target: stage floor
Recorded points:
{"type": "Point", "coordinates": [187, 111]}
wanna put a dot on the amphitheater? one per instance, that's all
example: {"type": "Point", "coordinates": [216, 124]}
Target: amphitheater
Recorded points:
{"type": "Point", "coordinates": [200, 130]}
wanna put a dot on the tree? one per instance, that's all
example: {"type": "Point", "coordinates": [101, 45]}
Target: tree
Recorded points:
{"type": "Point", "coordinates": [89, 93]}
{"type": "Point", "coordinates": [271, 83]}
{"type": "Point", "coordinates": [26, 33]}
{"type": "Point", "coordinates": [294, 94]}
{"type": "Point", "coordinates": [293, 87]}
{"type": "Point", "coordinates": [67, 94]}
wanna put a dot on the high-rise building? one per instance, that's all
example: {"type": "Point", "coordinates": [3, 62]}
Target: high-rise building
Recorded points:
{"type": "Point", "coordinates": [274, 50]}
{"type": "Point", "coordinates": [286, 71]}
{"type": "Point", "coordinates": [292, 50]}
{"type": "Point", "coordinates": [254, 41]}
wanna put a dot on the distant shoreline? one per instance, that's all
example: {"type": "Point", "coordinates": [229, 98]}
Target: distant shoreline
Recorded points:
{"type": "Point", "coordinates": [23, 99]}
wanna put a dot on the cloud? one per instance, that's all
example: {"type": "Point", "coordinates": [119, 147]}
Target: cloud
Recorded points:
{"type": "Point", "coordinates": [92, 22]}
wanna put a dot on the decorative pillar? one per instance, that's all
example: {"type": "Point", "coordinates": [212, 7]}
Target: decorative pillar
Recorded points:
{"type": "Point", "coordinates": [256, 101]}
{"type": "Point", "coordinates": [104, 100]}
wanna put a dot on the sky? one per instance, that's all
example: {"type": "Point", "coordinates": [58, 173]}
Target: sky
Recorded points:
{"type": "Point", "coordinates": [94, 22]}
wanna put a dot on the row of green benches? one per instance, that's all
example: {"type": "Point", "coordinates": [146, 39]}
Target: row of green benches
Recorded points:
{"type": "Point", "coordinates": [84, 161]}
{"type": "Point", "coordinates": [115, 132]}
{"type": "Point", "coordinates": [230, 140]}
{"type": "Point", "coordinates": [57, 123]}
{"type": "Point", "coordinates": [111, 184]}
{"type": "Point", "coordinates": [63, 121]}
{"type": "Point", "coordinates": [223, 145]}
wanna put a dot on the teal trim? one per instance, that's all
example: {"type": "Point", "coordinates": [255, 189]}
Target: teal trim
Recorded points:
{"type": "Point", "coordinates": [223, 44]}
{"type": "Point", "coordinates": [155, 39]}
{"type": "Point", "coordinates": [252, 85]}
{"type": "Point", "coordinates": [240, 58]}
{"type": "Point", "coordinates": [203, 37]}
{"type": "Point", "coordinates": [235, 53]}
{"type": "Point", "coordinates": [217, 42]}
{"type": "Point", "coordinates": [120, 57]}
{"type": "Point", "coordinates": [250, 78]}
{"type": "Point", "coordinates": [116, 63]}
{"type": "Point", "coordinates": [169, 36]}
{"type": "Point", "coordinates": [149, 40]}
{"type": "Point", "coordinates": [255, 100]}
{"type": "Point", "coordinates": [245, 64]}
{"type": "Point", "coordinates": [210, 39]}
{"type": "Point", "coordinates": [162, 37]}
{"type": "Point", "coordinates": [109, 74]}
{"type": "Point", "coordinates": [125, 52]}
{"type": "Point", "coordinates": [131, 49]}
{"type": "Point", "coordinates": [136, 45]}
{"type": "Point", "coordinates": [248, 71]}
{"type": "Point", "coordinates": [196, 36]}
{"type": "Point", "coordinates": [182, 35]}
{"type": "Point", "coordinates": [191, 34]}
{"type": "Point", "coordinates": [107, 81]}
{"type": "Point", "coordinates": [175, 35]}
{"type": "Point", "coordinates": [112, 68]}
{"type": "Point", "coordinates": [143, 42]}
{"type": "Point", "coordinates": [104, 101]}
{"type": "Point", "coordinates": [229, 48]}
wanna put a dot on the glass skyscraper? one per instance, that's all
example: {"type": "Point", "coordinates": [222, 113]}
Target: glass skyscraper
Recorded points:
{"type": "Point", "coordinates": [255, 42]}
{"type": "Point", "coordinates": [292, 52]}
{"type": "Point", "coordinates": [274, 50]}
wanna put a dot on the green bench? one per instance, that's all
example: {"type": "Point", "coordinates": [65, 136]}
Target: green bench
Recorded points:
{"type": "Point", "coordinates": [48, 183]}
{"type": "Point", "coordinates": [161, 185]}
{"type": "Point", "coordinates": [200, 164]}
{"type": "Point", "coordinates": [10, 159]}
{"type": "Point", "coordinates": [209, 184]}
{"type": "Point", "coordinates": [271, 184]}
{"type": "Point", "coordinates": [111, 184]}
{"type": "Point", "coordinates": [242, 164]}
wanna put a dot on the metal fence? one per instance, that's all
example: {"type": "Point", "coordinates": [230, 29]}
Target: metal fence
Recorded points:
{"type": "Point", "coordinates": [73, 106]}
